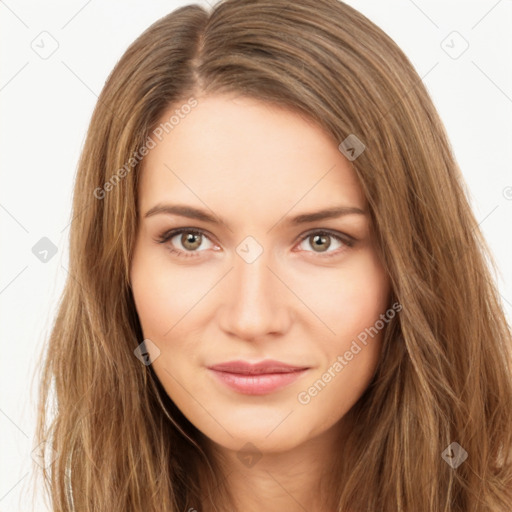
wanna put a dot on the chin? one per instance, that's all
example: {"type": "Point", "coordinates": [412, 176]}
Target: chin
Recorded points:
{"type": "Point", "coordinates": [258, 441]}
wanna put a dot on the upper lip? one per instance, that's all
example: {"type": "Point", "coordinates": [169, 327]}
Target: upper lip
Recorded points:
{"type": "Point", "coordinates": [263, 367]}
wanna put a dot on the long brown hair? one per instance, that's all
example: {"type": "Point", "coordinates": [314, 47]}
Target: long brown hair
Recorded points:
{"type": "Point", "coordinates": [445, 371]}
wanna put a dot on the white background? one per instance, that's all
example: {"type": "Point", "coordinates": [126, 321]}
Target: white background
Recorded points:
{"type": "Point", "coordinates": [46, 106]}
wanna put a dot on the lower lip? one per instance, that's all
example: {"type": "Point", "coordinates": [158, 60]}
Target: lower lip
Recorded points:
{"type": "Point", "coordinates": [258, 384]}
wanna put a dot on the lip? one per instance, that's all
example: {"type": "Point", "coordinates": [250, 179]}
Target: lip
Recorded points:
{"type": "Point", "coordinates": [257, 378]}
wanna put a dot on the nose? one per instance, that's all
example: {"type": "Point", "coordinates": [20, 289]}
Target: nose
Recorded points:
{"type": "Point", "coordinates": [257, 302]}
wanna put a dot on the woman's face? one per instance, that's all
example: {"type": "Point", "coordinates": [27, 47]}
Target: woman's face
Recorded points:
{"type": "Point", "coordinates": [257, 275]}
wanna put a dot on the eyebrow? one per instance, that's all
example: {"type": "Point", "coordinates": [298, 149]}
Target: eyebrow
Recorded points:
{"type": "Point", "coordinates": [198, 214]}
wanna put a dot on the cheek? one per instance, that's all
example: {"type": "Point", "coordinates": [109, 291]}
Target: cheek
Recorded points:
{"type": "Point", "coordinates": [350, 299]}
{"type": "Point", "coordinates": [152, 303]}
{"type": "Point", "coordinates": [351, 353]}
{"type": "Point", "coordinates": [364, 293]}
{"type": "Point", "coordinates": [163, 293]}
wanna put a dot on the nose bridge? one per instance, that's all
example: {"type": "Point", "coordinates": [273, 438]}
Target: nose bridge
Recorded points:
{"type": "Point", "coordinates": [255, 303]}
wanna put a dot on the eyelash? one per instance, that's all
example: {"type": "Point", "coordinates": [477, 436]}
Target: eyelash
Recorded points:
{"type": "Point", "coordinates": [168, 235]}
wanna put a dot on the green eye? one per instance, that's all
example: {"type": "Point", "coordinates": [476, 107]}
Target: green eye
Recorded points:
{"type": "Point", "coordinates": [193, 238]}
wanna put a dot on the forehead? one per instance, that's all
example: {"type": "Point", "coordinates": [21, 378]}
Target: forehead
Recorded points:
{"type": "Point", "coordinates": [235, 153]}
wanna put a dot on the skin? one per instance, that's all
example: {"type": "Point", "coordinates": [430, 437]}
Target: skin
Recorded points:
{"type": "Point", "coordinates": [253, 165]}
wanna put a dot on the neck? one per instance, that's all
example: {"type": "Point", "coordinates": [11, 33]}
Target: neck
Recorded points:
{"type": "Point", "coordinates": [305, 478]}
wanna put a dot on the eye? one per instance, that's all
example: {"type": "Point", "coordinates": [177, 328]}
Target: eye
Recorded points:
{"type": "Point", "coordinates": [190, 239]}
{"type": "Point", "coordinates": [320, 240]}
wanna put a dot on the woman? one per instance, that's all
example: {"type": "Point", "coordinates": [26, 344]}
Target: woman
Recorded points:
{"type": "Point", "coordinates": [207, 354]}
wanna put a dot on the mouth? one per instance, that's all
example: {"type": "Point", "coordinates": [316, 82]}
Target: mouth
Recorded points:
{"type": "Point", "coordinates": [257, 378]}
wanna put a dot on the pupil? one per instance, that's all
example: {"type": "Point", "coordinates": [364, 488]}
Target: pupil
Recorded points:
{"type": "Point", "coordinates": [322, 239]}
{"type": "Point", "coordinates": [189, 238]}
